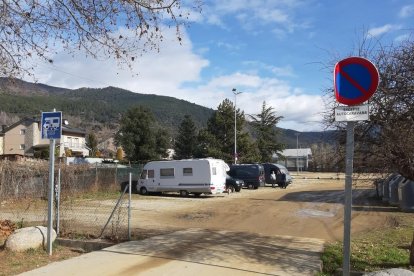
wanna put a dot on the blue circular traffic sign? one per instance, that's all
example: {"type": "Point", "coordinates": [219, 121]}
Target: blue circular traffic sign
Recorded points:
{"type": "Point", "coordinates": [355, 80]}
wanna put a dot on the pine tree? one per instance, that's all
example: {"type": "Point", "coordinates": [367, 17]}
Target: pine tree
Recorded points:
{"type": "Point", "coordinates": [140, 136]}
{"type": "Point", "coordinates": [264, 124]}
{"type": "Point", "coordinates": [186, 141]}
{"type": "Point", "coordinates": [218, 139]}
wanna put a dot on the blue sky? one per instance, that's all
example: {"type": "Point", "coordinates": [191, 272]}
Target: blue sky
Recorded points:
{"type": "Point", "coordinates": [276, 51]}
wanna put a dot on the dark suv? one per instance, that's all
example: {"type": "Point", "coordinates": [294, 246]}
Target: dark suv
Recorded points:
{"type": "Point", "coordinates": [234, 184]}
{"type": "Point", "coordinates": [251, 174]}
{"type": "Point", "coordinates": [278, 170]}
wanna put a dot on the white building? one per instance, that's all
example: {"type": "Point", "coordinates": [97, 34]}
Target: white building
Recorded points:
{"type": "Point", "coordinates": [296, 159]}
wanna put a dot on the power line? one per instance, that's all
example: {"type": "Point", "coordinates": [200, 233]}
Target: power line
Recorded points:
{"type": "Point", "coordinates": [54, 68]}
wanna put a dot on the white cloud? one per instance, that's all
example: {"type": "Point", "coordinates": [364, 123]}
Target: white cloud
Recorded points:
{"type": "Point", "coordinates": [286, 71]}
{"type": "Point", "coordinates": [278, 71]}
{"type": "Point", "coordinates": [406, 11]}
{"type": "Point", "coordinates": [228, 46]}
{"type": "Point", "coordinates": [152, 73]}
{"type": "Point", "coordinates": [273, 15]}
{"type": "Point", "coordinates": [253, 13]}
{"type": "Point", "coordinates": [402, 37]}
{"type": "Point", "coordinates": [300, 111]}
{"type": "Point", "coordinates": [176, 71]}
{"type": "Point", "coordinates": [374, 32]}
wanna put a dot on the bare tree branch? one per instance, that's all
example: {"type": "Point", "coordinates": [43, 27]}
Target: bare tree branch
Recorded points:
{"type": "Point", "coordinates": [123, 29]}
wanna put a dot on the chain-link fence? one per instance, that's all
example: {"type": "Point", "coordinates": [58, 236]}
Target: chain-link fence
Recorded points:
{"type": "Point", "coordinates": [84, 203]}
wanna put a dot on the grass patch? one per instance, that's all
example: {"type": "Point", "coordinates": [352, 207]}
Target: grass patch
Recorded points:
{"type": "Point", "coordinates": [374, 250]}
{"type": "Point", "coordinates": [96, 195]}
{"type": "Point", "coordinates": [13, 263]}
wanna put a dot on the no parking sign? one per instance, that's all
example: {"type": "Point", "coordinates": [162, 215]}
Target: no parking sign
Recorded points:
{"type": "Point", "coordinates": [355, 80]}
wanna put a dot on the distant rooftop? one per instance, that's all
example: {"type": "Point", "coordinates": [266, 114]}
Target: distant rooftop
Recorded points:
{"type": "Point", "coordinates": [296, 152]}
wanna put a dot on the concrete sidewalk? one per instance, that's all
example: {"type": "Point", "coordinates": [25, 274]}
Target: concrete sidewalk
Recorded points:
{"type": "Point", "coordinates": [198, 252]}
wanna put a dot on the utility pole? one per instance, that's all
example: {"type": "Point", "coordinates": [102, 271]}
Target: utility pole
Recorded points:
{"type": "Point", "coordinates": [235, 123]}
{"type": "Point", "coordinates": [297, 153]}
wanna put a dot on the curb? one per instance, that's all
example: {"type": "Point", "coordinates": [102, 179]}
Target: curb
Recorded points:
{"type": "Point", "coordinates": [84, 245]}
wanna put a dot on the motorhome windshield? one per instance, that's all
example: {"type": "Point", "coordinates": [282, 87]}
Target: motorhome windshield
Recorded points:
{"type": "Point", "coordinates": [144, 174]}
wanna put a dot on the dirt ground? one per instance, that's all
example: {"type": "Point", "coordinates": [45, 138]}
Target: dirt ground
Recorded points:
{"type": "Point", "coordinates": [311, 207]}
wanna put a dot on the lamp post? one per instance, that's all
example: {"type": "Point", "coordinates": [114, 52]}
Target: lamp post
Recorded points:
{"type": "Point", "coordinates": [297, 153]}
{"type": "Point", "coordinates": [235, 123]}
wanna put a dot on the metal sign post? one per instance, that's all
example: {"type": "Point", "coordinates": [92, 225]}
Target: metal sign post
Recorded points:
{"type": "Point", "coordinates": [51, 128]}
{"type": "Point", "coordinates": [355, 81]}
{"type": "Point", "coordinates": [50, 196]}
{"type": "Point", "coordinates": [348, 196]}
{"type": "Point", "coordinates": [129, 205]}
{"type": "Point", "coordinates": [57, 194]}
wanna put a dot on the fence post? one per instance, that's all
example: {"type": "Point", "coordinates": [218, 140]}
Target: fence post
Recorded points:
{"type": "Point", "coordinates": [96, 174]}
{"type": "Point", "coordinates": [58, 203]}
{"type": "Point", "coordinates": [129, 206]}
{"type": "Point", "coordinates": [116, 174]}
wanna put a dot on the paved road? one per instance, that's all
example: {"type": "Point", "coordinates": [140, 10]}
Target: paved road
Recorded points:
{"type": "Point", "coordinates": [198, 252]}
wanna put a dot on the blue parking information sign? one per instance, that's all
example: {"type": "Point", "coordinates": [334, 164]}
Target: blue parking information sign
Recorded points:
{"type": "Point", "coordinates": [51, 125]}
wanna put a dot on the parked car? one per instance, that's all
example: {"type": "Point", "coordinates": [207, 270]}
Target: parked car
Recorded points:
{"type": "Point", "coordinates": [234, 184]}
{"type": "Point", "coordinates": [251, 174]}
{"type": "Point", "coordinates": [278, 170]}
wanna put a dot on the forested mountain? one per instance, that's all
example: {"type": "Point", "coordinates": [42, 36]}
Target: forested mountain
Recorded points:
{"type": "Point", "coordinates": [97, 109]}
{"type": "Point", "coordinates": [306, 139]}
{"type": "Point", "coordinates": [94, 106]}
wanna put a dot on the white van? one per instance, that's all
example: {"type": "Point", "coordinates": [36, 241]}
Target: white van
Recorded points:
{"type": "Point", "coordinates": [189, 176]}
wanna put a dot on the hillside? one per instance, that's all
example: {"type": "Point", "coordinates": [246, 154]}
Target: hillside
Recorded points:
{"type": "Point", "coordinates": [92, 106]}
{"type": "Point", "coordinates": [306, 139]}
{"type": "Point", "coordinates": [99, 110]}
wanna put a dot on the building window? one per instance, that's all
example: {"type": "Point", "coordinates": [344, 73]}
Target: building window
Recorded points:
{"type": "Point", "coordinates": [22, 146]}
{"type": "Point", "coordinates": [76, 144]}
{"type": "Point", "coordinates": [188, 171]}
{"type": "Point", "coordinates": [167, 172]}
{"type": "Point", "coordinates": [22, 132]}
{"type": "Point", "coordinates": [69, 142]}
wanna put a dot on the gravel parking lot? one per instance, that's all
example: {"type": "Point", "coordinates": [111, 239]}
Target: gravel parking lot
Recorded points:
{"type": "Point", "coordinates": [311, 207]}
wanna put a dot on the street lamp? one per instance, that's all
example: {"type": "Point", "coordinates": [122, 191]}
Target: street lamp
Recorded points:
{"type": "Point", "coordinates": [235, 123]}
{"type": "Point", "coordinates": [297, 153]}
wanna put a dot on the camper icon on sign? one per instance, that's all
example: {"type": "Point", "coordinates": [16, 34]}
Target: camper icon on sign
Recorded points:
{"type": "Point", "coordinates": [51, 125]}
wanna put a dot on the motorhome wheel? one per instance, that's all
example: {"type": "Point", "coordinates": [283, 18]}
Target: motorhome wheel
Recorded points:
{"type": "Point", "coordinates": [144, 191]}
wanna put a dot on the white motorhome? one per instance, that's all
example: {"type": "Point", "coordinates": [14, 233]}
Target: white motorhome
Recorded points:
{"type": "Point", "coordinates": [189, 176]}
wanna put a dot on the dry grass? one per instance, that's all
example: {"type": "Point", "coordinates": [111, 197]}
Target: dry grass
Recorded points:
{"type": "Point", "coordinates": [376, 249]}
{"type": "Point", "coordinates": [13, 263]}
